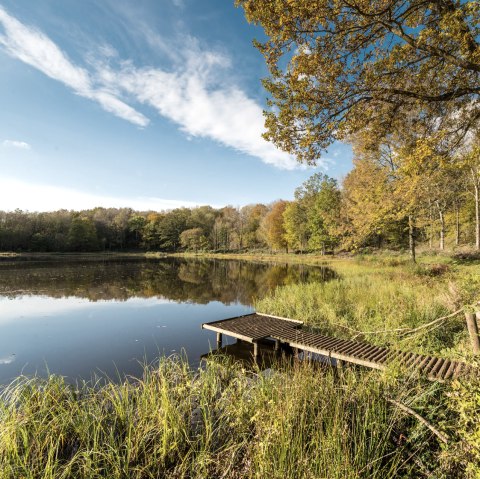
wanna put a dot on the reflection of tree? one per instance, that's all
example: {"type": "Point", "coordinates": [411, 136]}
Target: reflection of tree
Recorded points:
{"type": "Point", "coordinates": [198, 280]}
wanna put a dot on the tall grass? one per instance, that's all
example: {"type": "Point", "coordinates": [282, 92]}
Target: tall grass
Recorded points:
{"type": "Point", "coordinates": [218, 422]}
{"type": "Point", "coordinates": [377, 300]}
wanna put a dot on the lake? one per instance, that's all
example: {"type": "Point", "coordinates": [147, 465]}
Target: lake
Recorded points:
{"type": "Point", "coordinates": [78, 318]}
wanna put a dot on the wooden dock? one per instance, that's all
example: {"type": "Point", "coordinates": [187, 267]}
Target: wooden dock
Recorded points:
{"type": "Point", "coordinates": [255, 327]}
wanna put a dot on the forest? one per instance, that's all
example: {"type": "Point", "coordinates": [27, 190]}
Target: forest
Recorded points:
{"type": "Point", "coordinates": [386, 201]}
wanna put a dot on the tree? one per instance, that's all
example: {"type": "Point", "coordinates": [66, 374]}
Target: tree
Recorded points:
{"type": "Point", "coordinates": [226, 233]}
{"type": "Point", "coordinates": [353, 63]}
{"type": "Point", "coordinates": [204, 217]}
{"type": "Point", "coordinates": [272, 227]}
{"type": "Point", "coordinates": [321, 198]}
{"type": "Point", "coordinates": [471, 164]}
{"type": "Point", "coordinates": [136, 225]}
{"type": "Point", "coordinates": [251, 217]}
{"type": "Point", "coordinates": [194, 239]}
{"type": "Point", "coordinates": [295, 224]}
{"type": "Point", "coordinates": [170, 227]}
{"type": "Point", "coordinates": [82, 235]}
{"type": "Point", "coordinates": [369, 206]}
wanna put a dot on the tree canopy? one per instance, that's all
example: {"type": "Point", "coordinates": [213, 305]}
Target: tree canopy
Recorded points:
{"type": "Point", "coordinates": [337, 66]}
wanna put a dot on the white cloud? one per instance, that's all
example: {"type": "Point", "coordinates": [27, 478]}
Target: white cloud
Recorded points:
{"type": "Point", "coordinates": [199, 97]}
{"type": "Point", "coordinates": [198, 92]}
{"type": "Point", "coordinates": [36, 49]}
{"type": "Point", "coordinates": [27, 306]}
{"type": "Point", "coordinates": [37, 197]}
{"type": "Point", "coordinates": [22, 145]}
{"type": "Point", "coordinates": [7, 359]}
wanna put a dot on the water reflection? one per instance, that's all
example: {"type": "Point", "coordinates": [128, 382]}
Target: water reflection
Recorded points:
{"type": "Point", "coordinates": [197, 280]}
{"type": "Point", "coordinates": [78, 318]}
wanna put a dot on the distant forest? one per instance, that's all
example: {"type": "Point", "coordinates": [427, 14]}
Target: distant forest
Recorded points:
{"type": "Point", "coordinates": [323, 217]}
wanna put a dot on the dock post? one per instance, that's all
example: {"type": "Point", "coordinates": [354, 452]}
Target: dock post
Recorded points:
{"type": "Point", "coordinates": [277, 345]}
{"type": "Point", "coordinates": [255, 351]}
{"type": "Point", "coordinates": [473, 331]}
{"type": "Point", "coordinates": [340, 364]}
{"type": "Point", "coordinates": [219, 340]}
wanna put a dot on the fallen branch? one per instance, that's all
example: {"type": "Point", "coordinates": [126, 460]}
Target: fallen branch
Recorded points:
{"type": "Point", "coordinates": [435, 321]}
{"type": "Point", "coordinates": [404, 331]}
{"type": "Point", "coordinates": [443, 437]}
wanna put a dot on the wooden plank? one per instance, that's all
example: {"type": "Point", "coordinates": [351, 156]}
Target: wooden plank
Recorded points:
{"type": "Point", "coordinates": [443, 369]}
{"type": "Point", "coordinates": [359, 350]}
{"type": "Point", "coordinates": [418, 360]}
{"type": "Point", "coordinates": [437, 367]}
{"type": "Point", "coordinates": [337, 355]}
{"type": "Point", "coordinates": [369, 353]}
{"type": "Point", "coordinates": [430, 364]}
{"type": "Point", "coordinates": [280, 317]}
{"type": "Point", "coordinates": [402, 356]}
{"type": "Point", "coordinates": [349, 348]}
{"type": "Point", "coordinates": [329, 343]}
{"type": "Point", "coordinates": [380, 355]}
{"type": "Point", "coordinates": [229, 319]}
{"type": "Point", "coordinates": [450, 370]}
{"type": "Point", "coordinates": [229, 333]}
{"type": "Point", "coordinates": [458, 370]}
{"type": "Point", "coordinates": [409, 359]}
{"type": "Point", "coordinates": [425, 361]}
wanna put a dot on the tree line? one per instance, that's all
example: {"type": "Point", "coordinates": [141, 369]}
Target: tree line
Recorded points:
{"type": "Point", "coordinates": [389, 199]}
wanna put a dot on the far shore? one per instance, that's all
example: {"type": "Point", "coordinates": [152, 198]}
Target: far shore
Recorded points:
{"type": "Point", "coordinates": [426, 256]}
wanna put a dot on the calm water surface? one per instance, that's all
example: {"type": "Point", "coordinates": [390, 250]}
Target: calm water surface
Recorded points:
{"type": "Point", "coordinates": [81, 318]}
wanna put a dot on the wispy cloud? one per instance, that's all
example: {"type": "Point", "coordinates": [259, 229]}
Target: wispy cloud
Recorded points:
{"type": "Point", "coordinates": [22, 145]}
{"type": "Point", "coordinates": [194, 96]}
{"type": "Point", "coordinates": [7, 359]}
{"type": "Point", "coordinates": [34, 48]}
{"type": "Point", "coordinates": [197, 91]}
{"type": "Point", "coordinates": [38, 306]}
{"type": "Point", "coordinates": [39, 197]}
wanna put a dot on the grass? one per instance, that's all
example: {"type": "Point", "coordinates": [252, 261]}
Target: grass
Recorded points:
{"type": "Point", "coordinates": [299, 422]}
{"type": "Point", "coordinates": [377, 295]}
{"type": "Point", "coordinates": [218, 422]}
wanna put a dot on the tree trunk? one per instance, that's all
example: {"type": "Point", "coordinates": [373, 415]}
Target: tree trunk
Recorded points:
{"type": "Point", "coordinates": [473, 331]}
{"type": "Point", "coordinates": [457, 224]}
{"type": "Point", "coordinates": [411, 237]}
{"type": "Point", "coordinates": [441, 217]}
{"type": "Point", "coordinates": [430, 225]}
{"type": "Point", "coordinates": [442, 229]}
{"type": "Point", "coordinates": [477, 216]}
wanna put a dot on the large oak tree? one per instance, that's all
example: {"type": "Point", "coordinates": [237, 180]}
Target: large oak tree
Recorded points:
{"type": "Point", "coordinates": [337, 66]}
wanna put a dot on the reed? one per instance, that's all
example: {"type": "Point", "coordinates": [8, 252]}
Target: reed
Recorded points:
{"type": "Point", "coordinates": [220, 421]}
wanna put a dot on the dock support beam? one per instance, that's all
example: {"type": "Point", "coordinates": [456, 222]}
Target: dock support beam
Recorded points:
{"type": "Point", "coordinates": [277, 345]}
{"type": "Point", "coordinates": [255, 351]}
{"type": "Point", "coordinates": [219, 340]}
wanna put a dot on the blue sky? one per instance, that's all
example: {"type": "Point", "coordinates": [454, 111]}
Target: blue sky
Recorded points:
{"type": "Point", "coordinates": [150, 104]}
